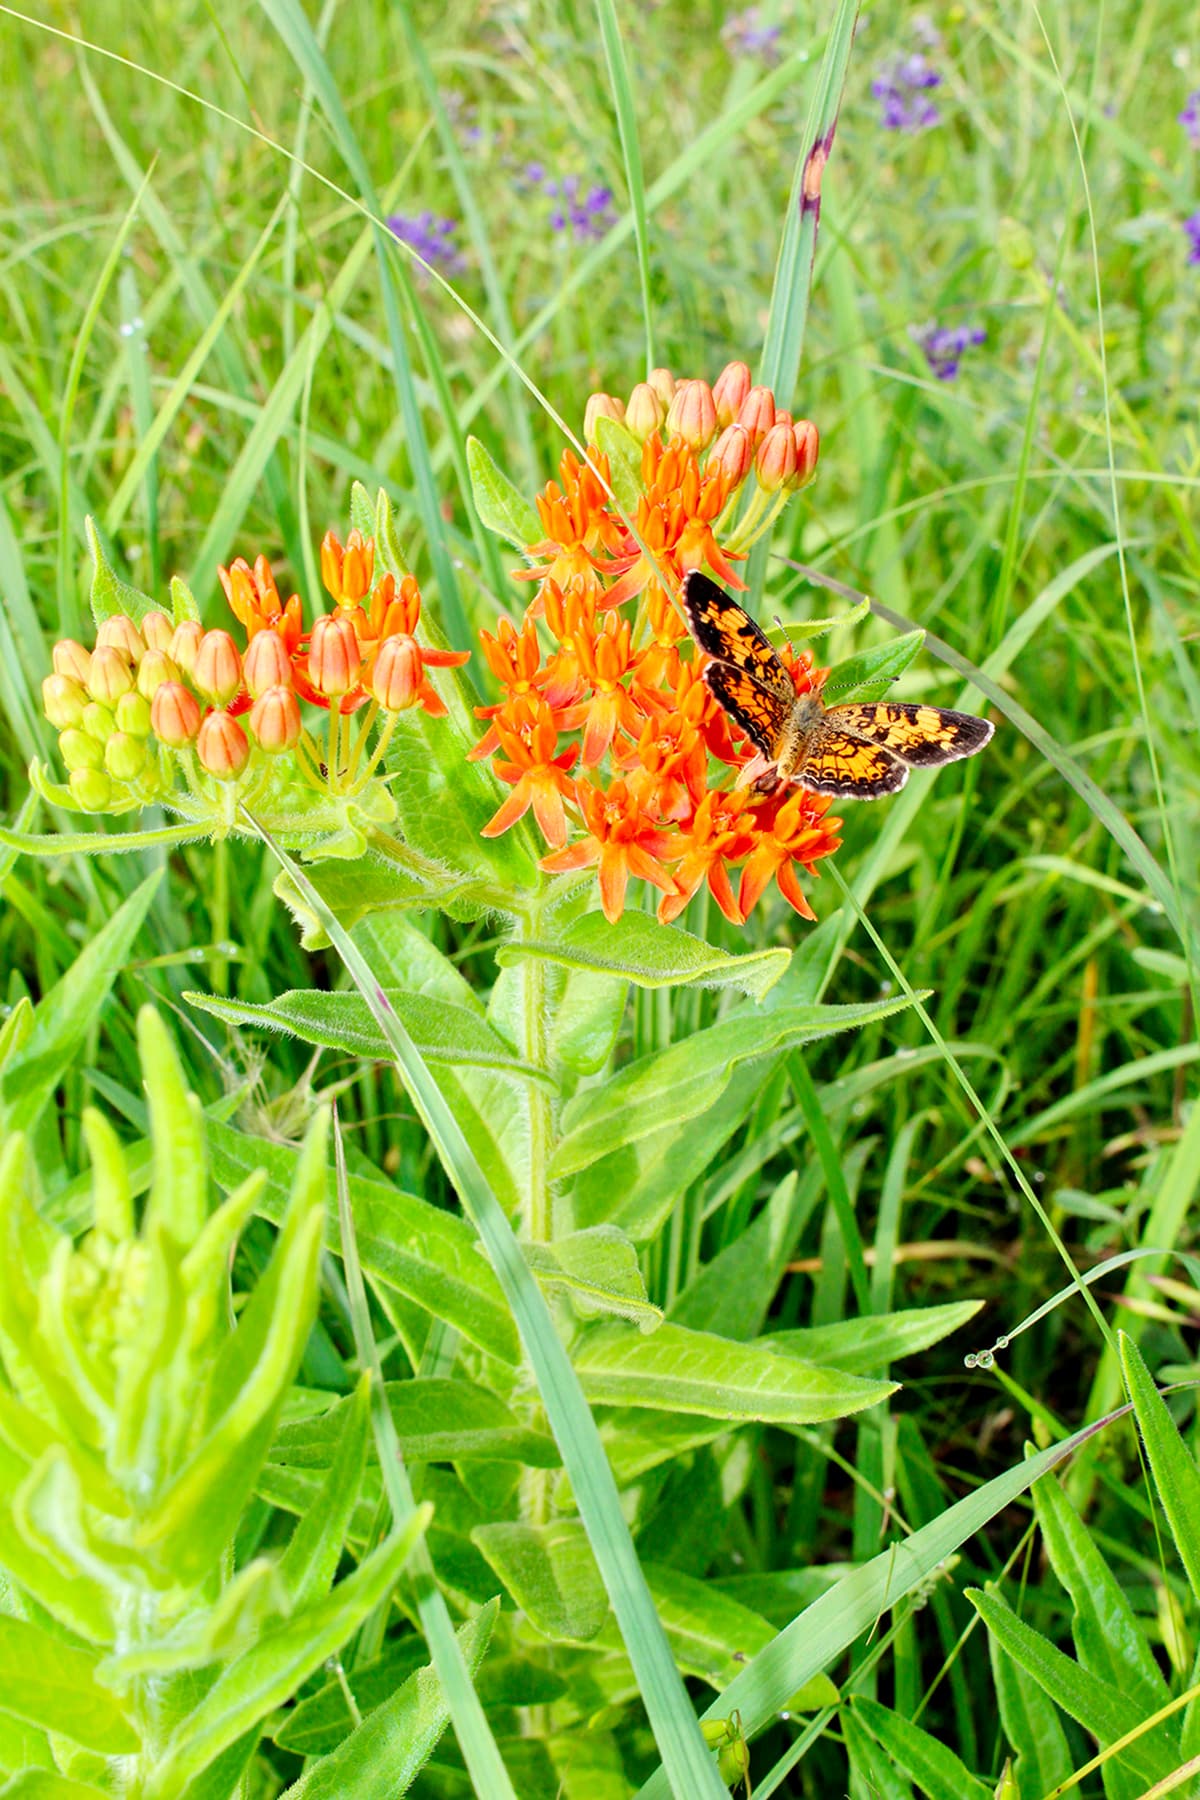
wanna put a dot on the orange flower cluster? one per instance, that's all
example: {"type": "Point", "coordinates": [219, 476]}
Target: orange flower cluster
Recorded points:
{"type": "Point", "coordinates": [159, 686]}
{"type": "Point", "coordinates": [606, 730]}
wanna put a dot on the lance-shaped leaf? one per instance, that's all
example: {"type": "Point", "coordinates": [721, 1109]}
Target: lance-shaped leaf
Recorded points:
{"type": "Point", "coordinates": [935, 1768]}
{"type": "Point", "coordinates": [310, 1562]}
{"type": "Point", "coordinates": [551, 1574]}
{"type": "Point", "coordinates": [52, 1685]}
{"type": "Point", "coordinates": [651, 955]}
{"type": "Point", "coordinates": [598, 1269]}
{"type": "Point", "coordinates": [696, 1372]}
{"type": "Point", "coordinates": [44, 1784]}
{"type": "Point", "coordinates": [501, 506]}
{"type": "Point", "coordinates": [869, 673]}
{"type": "Point", "coordinates": [1175, 1475]}
{"type": "Point", "coordinates": [860, 1346]}
{"type": "Point", "coordinates": [436, 1419]}
{"type": "Point", "coordinates": [264, 1676]}
{"type": "Point", "coordinates": [685, 1080]}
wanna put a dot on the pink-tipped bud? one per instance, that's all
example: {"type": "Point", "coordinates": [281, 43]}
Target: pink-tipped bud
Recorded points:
{"type": "Point", "coordinates": [63, 701]}
{"type": "Point", "coordinates": [186, 640]}
{"type": "Point", "coordinates": [111, 675]}
{"type": "Point", "coordinates": [125, 757]}
{"type": "Point", "coordinates": [133, 715]}
{"type": "Point", "coordinates": [808, 446]}
{"type": "Point", "coordinates": [645, 412]}
{"type": "Point", "coordinates": [92, 789]}
{"type": "Point", "coordinates": [70, 658]}
{"type": "Point", "coordinates": [729, 391]}
{"type": "Point", "coordinates": [266, 664]}
{"type": "Point", "coordinates": [663, 383]}
{"type": "Point", "coordinates": [733, 453]}
{"type": "Point", "coordinates": [217, 670]}
{"type": "Point", "coordinates": [600, 406]}
{"type": "Point", "coordinates": [275, 719]}
{"type": "Point", "coordinates": [121, 632]}
{"type": "Point", "coordinates": [79, 751]}
{"type": "Point", "coordinates": [757, 413]}
{"type": "Point", "coordinates": [158, 630]}
{"type": "Point", "coordinates": [398, 674]}
{"type": "Point", "coordinates": [334, 658]}
{"type": "Point", "coordinates": [155, 668]}
{"type": "Point", "coordinates": [775, 463]}
{"type": "Point", "coordinates": [175, 715]}
{"type": "Point", "coordinates": [222, 746]}
{"type": "Point", "coordinates": [692, 415]}
{"type": "Point", "coordinates": [784, 417]}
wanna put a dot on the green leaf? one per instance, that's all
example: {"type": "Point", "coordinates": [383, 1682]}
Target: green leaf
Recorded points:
{"type": "Point", "coordinates": [624, 455]}
{"type": "Point", "coordinates": [586, 1011]}
{"type": "Point", "coordinates": [361, 887]}
{"type": "Point", "coordinates": [937, 1771]}
{"type": "Point", "coordinates": [866, 1345]}
{"type": "Point", "coordinates": [318, 1724]}
{"type": "Point", "coordinates": [437, 1420]}
{"type": "Point", "coordinates": [310, 1562]}
{"type": "Point", "coordinates": [695, 1372]}
{"type": "Point", "coordinates": [868, 674]}
{"type": "Point", "coordinates": [43, 1784]}
{"type": "Point", "coordinates": [551, 1574]}
{"type": "Point", "coordinates": [685, 1080]}
{"type": "Point", "coordinates": [502, 508]}
{"type": "Point", "coordinates": [1031, 1725]}
{"type": "Point", "coordinates": [711, 1634]}
{"type": "Point", "coordinates": [49, 1684]}
{"type": "Point", "coordinates": [1175, 1476]}
{"type": "Point", "coordinates": [264, 1676]}
{"type": "Point", "coordinates": [66, 1015]}
{"type": "Point", "coordinates": [732, 1293]}
{"type": "Point", "coordinates": [423, 1252]}
{"type": "Point", "coordinates": [450, 1036]}
{"type": "Point", "coordinates": [598, 1269]}
{"type": "Point", "coordinates": [875, 1773]}
{"type": "Point", "coordinates": [387, 1751]}
{"type": "Point", "coordinates": [639, 949]}
{"type": "Point", "coordinates": [1101, 1708]}
{"type": "Point", "coordinates": [111, 595]}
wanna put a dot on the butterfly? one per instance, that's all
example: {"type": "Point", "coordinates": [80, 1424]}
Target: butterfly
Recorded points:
{"type": "Point", "coordinates": [855, 751]}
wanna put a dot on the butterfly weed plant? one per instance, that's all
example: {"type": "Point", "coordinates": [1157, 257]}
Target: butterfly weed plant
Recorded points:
{"type": "Point", "coordinates": [484, 1442]}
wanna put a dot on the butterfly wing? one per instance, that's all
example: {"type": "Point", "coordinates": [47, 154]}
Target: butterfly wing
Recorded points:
{"type": "Point", "coordinates": [921, 736]}
{"type": "Point", "coordinates": [725, 630]}
{"type": "Point", "coordinates": [836, 762]}
{"type": "Point", "coordinates": [759, 710]}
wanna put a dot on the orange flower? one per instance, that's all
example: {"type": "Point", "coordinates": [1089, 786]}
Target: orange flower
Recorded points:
{"type": "Point", "coordinates": [790, 830]}
{"type": "Point", "coordinates": [674, 520]}
{"type": "Point", "coordinates": [536, 769]}
{"type": "Point", "coordinates": [622, 838]}
{"type": "Point", "coordinates": [720, 833]}
{"type": "Point", "coordinates": [578, 524]}
{"type": "Point", "coordinates": [347, 573]}
{"type": "Point", "coordinates": [254, 599]}
{"type": "Point", "coordinates": [605, 658]}
{"type": "Point", "coordinates": [674, 757]}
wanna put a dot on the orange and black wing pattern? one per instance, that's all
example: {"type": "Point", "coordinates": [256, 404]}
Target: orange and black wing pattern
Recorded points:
{"type": "Point", "coordinates": [839, 763]}
{"type": "Point", "coordinates": [725, 631]}
{"type": "Point", "coordinates": [760, 711]}
{"type": "Point", "coordinates": [921, 736]}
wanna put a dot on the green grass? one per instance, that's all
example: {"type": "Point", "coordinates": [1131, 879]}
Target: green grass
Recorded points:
{"type": "Point", "coordinates": [208, 336]}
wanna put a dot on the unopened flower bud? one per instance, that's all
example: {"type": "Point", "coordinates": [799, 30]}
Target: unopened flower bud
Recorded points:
{"type": "Point", "coordinates": [133, 715]}
{"type": "Point", "coordinates": [663, 383]}
{"type": "Point", "coordinates": [185, 644]}
{"type": "Point", "coordinates": [398, 674]}
{"type": "Point", "coordinates": [98, 721]}
{"type": "Point", "coordinates": [111, 674]}
{"type": "Point", "coordinates": [155, 668]}
{"type": "Point", "coordinates": [692, 415]}
{"type": "Point", "coordinates": [121, 632]}
{"type": "Point", "coordinates": [808, 445]}
{"type": "Point", "coordinates": [70, 658]}
{"type": "Point", "coordinates": [158, 630]}
{"type": "Point", "coordinates": [79, 751]}
{"type": "Point", "coordinates": [63, 701]}
{"type": "Point", "coordinates": [217, 670]}
{"type": "Point", "coordinates": [645, 412]}
{"type": "Point", "coordinates": [175, 715]}
{"type": "Point", "coordinates": [733, 453]}
{"type": "Point", "coordinates": [775, 462]}
{"type": "Point", "coordinates": [784, 417]}
{"type": "Point", "coordinates": [334, 658]}
{"type": "Point", "coordinates": [124, 756]}
{"type": "Point", "coordinates": [757, 413]}
{"type": "Point", "coordinates": [266, 664]}
{"type": "Point", "coordinates": [600, 406]}
{"type": "Point", "coordinates": [92, 789]}
{"type": "Point", "coordinates": [275, 719]}
{"type": "Point", "coordinates": [729, 390]}
{"type": "Point", "coordinates": [347, 572]}
{"type": "Point", "coordinates": [222, 746]}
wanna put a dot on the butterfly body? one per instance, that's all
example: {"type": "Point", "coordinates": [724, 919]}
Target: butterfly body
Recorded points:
{"type": "Point", "coordinates": [861, 751]}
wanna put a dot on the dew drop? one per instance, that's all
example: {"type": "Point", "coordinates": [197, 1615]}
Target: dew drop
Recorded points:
{"type": "Point", "coordinates": [1001, 1343]}
{"type": "Point", "coordinates": [986, 1360]}
{"type": "Point", "coordinates": [970, 1361]}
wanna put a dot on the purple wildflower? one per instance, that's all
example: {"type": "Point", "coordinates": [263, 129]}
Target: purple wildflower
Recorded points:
{"type": "Point", "coordinates": [944, 345]}
{"type": "Point", "coordinates": [901, 88]}
{"type": "Point", "coordinates": [432, 239]}
{"type": "Point", "coordinates": [744, 34]}
{"type": "Point", "coordinates": [1191, 229]}
{"type": "Point", "coordinates": [585, 215]}
{"type": "Point", "coordinates": [1189, 118]}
